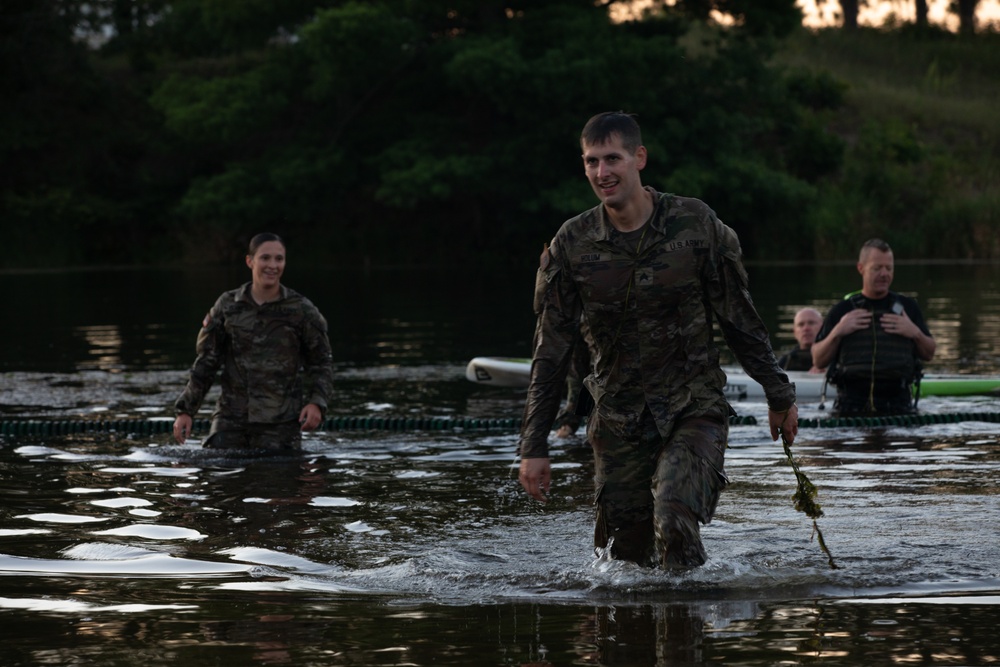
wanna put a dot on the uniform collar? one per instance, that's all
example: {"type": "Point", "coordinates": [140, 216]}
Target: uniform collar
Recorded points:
{"type": "Point", "coordinates": [244, 294]}
{"type": "Point", "coordinates": [601, 231]}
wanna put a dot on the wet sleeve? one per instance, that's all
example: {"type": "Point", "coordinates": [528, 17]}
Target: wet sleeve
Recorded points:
{"type": "Point", "coordinates": [210, 349]}
{"type": "Point", "coordinates": [318, 360]}
{"type": "Point", "coordinates": [557, 330]}
{"type": "Point", "coordinates": [579, 368]}
{"type": "Point", "coordinates": [741, 325]}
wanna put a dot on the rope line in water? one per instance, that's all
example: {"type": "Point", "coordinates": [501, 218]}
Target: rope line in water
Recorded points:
{"type": "Point", "coordinates": [156, 426]}
{"type": "Point", "coordinates": [14, 427]}
{"type": "Point", "coordinates": [900, 420]}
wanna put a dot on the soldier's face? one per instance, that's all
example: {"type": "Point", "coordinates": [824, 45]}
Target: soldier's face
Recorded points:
{"type": "Point", "coordinates": [267, 264]}
{"type": "Point", "coordinates": [876, 269]}
{"type": "Point", "coordinates": [613, 172]}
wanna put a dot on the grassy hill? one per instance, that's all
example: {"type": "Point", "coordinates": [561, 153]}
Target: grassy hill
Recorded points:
{"type": "Point", "coordinates": [921, 126]}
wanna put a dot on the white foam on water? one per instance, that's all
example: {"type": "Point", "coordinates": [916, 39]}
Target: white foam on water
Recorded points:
{"type": "Point", "coordinates": [328, 501]}
{"type": "Point", "coordinates": [153, 532]}
{"type": "Point", "coordinates": [70, 606]}
{"type": "Point", "coordinates": [51, 517]}
{"type": "Point", "coordinates": [122, 502]}
{"type": "Point", "coordinates": [154, 470]}
{"type": "Point", "coordinates": [152, 565]}
{"type": "Point", "coordinates": [279, 559]}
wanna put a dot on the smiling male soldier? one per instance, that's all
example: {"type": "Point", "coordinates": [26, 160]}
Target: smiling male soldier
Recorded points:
{"type": "Point", "coordinates": [649, 272]}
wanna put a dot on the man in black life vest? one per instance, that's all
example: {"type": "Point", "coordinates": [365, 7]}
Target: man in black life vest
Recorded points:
{"type": "Point", "coordinates": [874, 341]}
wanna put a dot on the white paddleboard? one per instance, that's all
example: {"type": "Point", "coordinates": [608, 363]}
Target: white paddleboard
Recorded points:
{"type": "Point", "coordinates": [516, 372]}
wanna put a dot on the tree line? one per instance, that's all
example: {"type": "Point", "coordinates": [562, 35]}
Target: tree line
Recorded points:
{"type": "Point", "coordinates": [965, 9]}
{"type": "Point", "coordinates": [404, 132]}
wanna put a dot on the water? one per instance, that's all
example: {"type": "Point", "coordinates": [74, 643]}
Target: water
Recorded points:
{"type": "Point", "coordinates": [417, 547]}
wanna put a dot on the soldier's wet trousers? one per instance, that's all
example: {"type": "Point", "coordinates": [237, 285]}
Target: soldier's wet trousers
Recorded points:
{"type": "Point", "coordinates": [282, 437]}
{"type": "Point", "coordinates": [653, 492]}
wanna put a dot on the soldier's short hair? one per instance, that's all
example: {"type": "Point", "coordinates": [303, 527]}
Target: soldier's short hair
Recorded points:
{"type": "Point", "coordinates": [599, 129]}
{"type": "Point", "coordinates": [260, 239]}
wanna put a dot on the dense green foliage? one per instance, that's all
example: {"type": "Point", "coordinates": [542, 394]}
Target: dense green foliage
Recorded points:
{"type": "Point", "coordinates": [421, 132]}
{"type": "Point", "coordinates": [922, 141]}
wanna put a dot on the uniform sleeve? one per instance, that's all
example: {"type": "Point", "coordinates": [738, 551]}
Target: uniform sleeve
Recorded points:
{"type": "Point", "coordinates": [557, 304]}
{"type": "Point", "coordinates": [579, 368]}
{"type": "Point", "coordinates": [210, 349]}
{"type": "Point", "coordinates": [740, 323]}
{"type": "Point", "coordinates": [318, 360]}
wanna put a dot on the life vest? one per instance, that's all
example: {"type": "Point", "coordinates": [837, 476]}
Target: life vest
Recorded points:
{"type": "Point", "coordinates": [796, 360]}
{"type": "Point", "coordinates": [891, 358]}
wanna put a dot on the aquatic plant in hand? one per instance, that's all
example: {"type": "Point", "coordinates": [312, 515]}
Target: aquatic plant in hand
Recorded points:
{"type": "Point", "coordinates": [805, 499]}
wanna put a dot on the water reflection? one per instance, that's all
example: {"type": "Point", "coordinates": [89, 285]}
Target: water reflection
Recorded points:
{"type": "Point", "coordinates": [407, 318]}
{"type": "Point", "coordinates": [272, 629]}
{"type": "Point", "coordinates": [417, 547]}
{"type": "Point", "coordinates": [105, 343]}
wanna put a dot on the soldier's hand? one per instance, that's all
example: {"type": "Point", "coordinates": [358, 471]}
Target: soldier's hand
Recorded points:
{"type": "Point", "coordinates": [784, 422]}
{"type": "Point", "coordinates": [310, 417]}
{"type": "Point", "coordinates": [535, 476]}
{"type": "Point", "coordinates": [182, 428]}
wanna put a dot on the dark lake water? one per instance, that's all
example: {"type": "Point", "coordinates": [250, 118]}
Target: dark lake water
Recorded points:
{"type": "Point", "coordinates": [416, 546]}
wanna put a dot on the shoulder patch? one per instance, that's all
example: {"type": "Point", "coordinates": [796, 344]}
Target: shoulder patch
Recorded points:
{"type": "Point", "coordinates": [546, 257]}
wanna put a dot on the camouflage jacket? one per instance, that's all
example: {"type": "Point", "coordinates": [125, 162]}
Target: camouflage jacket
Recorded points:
{"type": "Point", "coordinates": [650, 305]}
{"type": "Point", "coordinates": [264, 352]}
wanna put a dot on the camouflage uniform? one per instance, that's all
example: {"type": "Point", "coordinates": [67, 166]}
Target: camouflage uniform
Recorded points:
{"type": "Point", "coordinates": [660, 423]}
{"type": "Point", "coordinates": [578, 402]}
{"type": "Point", "coordinates": [262, 351]}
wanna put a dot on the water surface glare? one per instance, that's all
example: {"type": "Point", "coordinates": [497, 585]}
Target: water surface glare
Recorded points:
{"type": "Point", "coordinates": [322, 557]}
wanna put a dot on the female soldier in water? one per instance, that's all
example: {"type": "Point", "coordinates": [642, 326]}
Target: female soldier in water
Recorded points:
{"type": "Point", "coordinates": [272, 346]}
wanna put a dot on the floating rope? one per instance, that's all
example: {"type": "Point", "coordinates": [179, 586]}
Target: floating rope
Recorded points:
{"type": "Point", "coordinates": [805, 499]}
{"type": "Point", "coordinates": [155, 426]}
{"type": "Point", "coordinates": [900, 420]}
{"type": "Point", "coordinates": [372, 423]}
